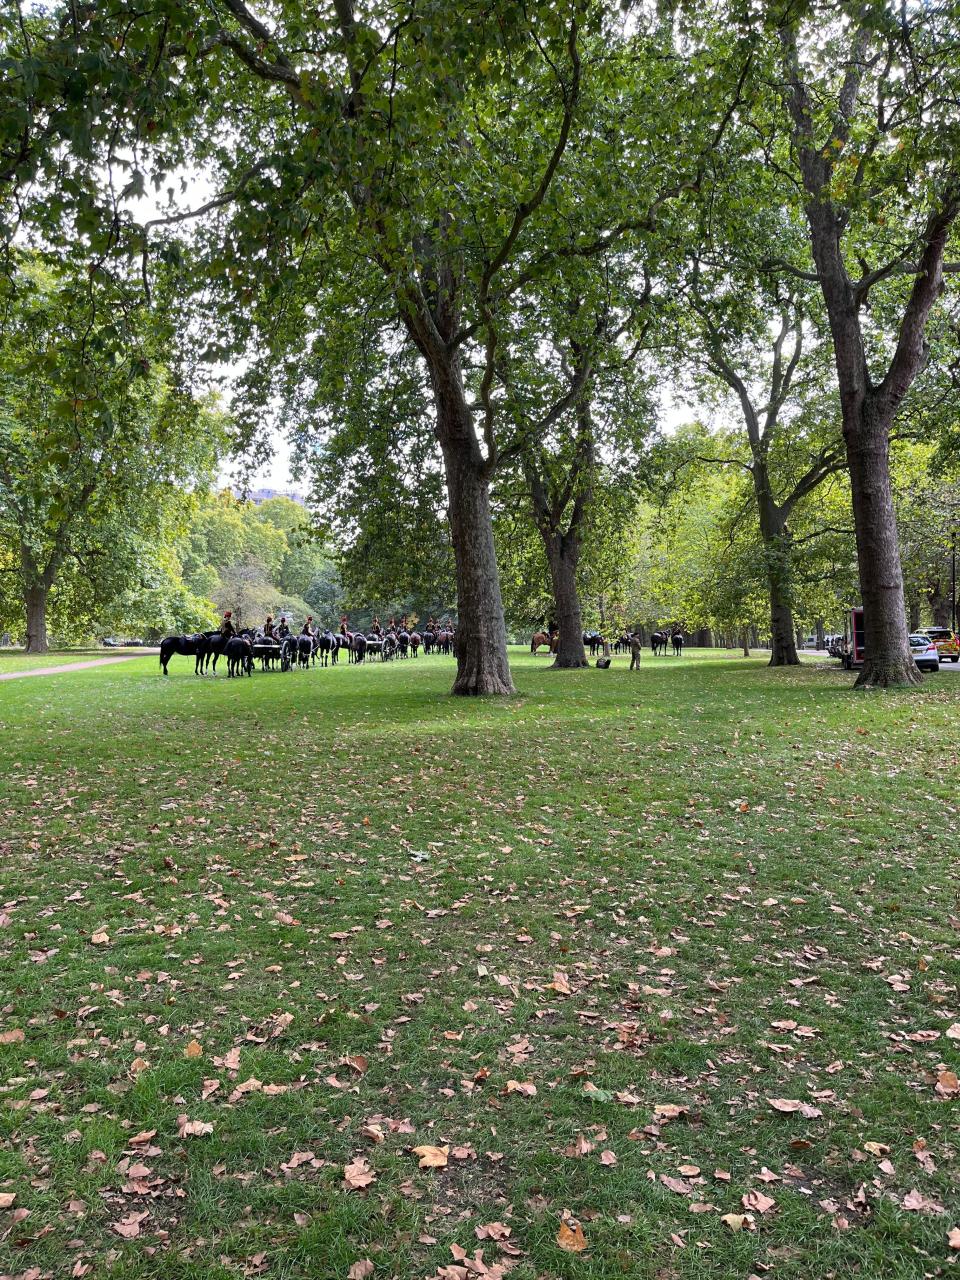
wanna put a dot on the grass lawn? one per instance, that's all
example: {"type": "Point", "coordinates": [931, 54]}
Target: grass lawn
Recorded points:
{"type": "Point", "coordinates": [669, 960]}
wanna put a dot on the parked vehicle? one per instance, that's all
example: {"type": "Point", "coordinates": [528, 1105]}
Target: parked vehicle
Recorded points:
{"type": "Point", "coordinates": [924, 652]}
{"type": "Point", "coordinates": [948, 645]}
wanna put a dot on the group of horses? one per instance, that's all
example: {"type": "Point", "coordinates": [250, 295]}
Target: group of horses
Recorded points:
{"type": "Point", "coordinates": [595, 641]}
{"type": "Point", "coordinates": [252, 645]}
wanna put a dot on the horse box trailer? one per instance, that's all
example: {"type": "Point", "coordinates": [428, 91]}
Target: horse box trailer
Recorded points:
{"type": "Point", "coordinates": [852, 655]}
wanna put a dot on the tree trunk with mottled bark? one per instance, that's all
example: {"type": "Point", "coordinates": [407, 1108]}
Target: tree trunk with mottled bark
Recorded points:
{"type": "Point", "coordinates": [887, 657]}
{"type": "Point", "coordinates": [35, 602]}
{"type": "Point", "coordinates": [481, 639]}
{"type": "Point", "coordinates": [563, 552]}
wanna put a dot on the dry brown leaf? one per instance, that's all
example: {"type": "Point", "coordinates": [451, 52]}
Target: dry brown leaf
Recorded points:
{"type": "Point", "coordinates": [360, 1270]}
{"type": "Point", "coordinates": [919, 1203]}
{"type": "Point", "coordinates": [953, 1237]}
{"type": "Point", "coordinates": [492, 1231]}
{"type": "Point", "coordinates": [187, 1128]}
{"type": "Point", "coordinates": [526, 1088]}
{"type": "Point", "coordinates": [13, 1036]}
{"type": "Point", "coordinates": [193, 1050]}
{"type": "Point", "coordinates": [737, 1221]}
{"type": "Point", "coordinates": [358, 1174]}
{"type": "Point", "coordinates": [7, 1198]}
{"type": "Point", "coordinates": [570, 1237]}
{"type": "Point", "coordinates": [789, 1105]}
{"type": "Point", "coordinates": [432, 1157]}
{"type": "Point", "coordinates": [100, 939]}
{"type": "Point", "coordinates": [757, 1201]}
{"type": "Point", "coordinates": [129, 1227]}
{"type": "Point", "coordinates": [608, 1158]}
{"type": "Point", "coordinates": [947, 1084]}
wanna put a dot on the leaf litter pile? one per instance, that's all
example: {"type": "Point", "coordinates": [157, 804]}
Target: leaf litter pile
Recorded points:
{"type": "Point", "coordinates": [652, 976]}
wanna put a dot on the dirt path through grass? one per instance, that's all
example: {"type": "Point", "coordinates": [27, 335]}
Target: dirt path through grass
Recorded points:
{"type": "Point", "coordinates": [67, 666]}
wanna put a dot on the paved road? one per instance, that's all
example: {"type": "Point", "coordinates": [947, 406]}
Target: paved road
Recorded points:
{"type": "Point", "coordinates": [67, 666]}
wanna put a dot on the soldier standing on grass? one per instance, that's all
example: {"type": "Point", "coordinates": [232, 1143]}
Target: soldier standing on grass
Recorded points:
{"type": "Point", "coordinates": [636, 648]}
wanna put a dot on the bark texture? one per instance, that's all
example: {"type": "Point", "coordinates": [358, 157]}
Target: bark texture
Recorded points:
{"type": "Point", "coordinates": [481, 644]}
{"type": "Point", "coordinates": [562, 555]}
{"type": "Point", "coordinates": [35, 601]}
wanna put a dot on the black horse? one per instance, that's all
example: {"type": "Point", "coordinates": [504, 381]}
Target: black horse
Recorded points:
{"type": "Point", "coordinates": [677, 639]}
{"type": "Point", "coordinates": [658, 643]}
{"type": "Point", "coordinates": [238, 652]}
{"type": "Point", "coordinates": [194, 646]}
{"type": "Point", "coordinates": [416, 640]}
{"type": "Point", "coordinates": [429, 641]}
{"type": "Point", "coordinates": [327, 646]}
{"type": "Point", "coordinates": [304, 650]}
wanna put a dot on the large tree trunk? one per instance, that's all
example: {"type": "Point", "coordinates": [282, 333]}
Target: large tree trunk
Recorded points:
{"type": "Point", "coordinates": [35, 600]}
{"type": "Point", "coordinates": [887, 656]}
{"type": "Point", "coordinates": [562, 555]}
{"type": "Point", "coordinates": [777, 553]}
{"type": "Point", "coordinates": [481, 642]}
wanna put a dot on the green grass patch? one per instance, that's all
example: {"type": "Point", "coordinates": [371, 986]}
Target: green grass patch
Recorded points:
{"type": "Point", "coordinates": [508, 929]}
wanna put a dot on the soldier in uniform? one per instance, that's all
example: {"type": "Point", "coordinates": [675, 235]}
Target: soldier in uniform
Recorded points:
{"type": "Point", "coordinates": [227, 629]}
{"type": "Point", "coordinates": [268, 627]}
{"type": "Point", "coordinates": [282, 629]}
{"type": "Point", "coordinates": [636, 649]}
{"type": "Point", "coordinates": [308, 626]}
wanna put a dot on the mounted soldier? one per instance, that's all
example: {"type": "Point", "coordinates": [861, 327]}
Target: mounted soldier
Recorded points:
{"type": "Point", "coordinates": [227, 629]}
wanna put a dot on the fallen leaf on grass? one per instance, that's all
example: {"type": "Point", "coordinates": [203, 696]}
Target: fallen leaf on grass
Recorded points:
{"type": "Point", "coordinates": [13, 1036]}
{"type": "Point", "coordinates": [193, 1050]}
{"type": "Point", "coordinates": [432, 1157]}
{"type": "Point", "coordinates": [948, 1084]}
{"type": "Point", "coordinates": [953, 1238]}
{"type": "Point", "coordinates": [187, 1128]}
{"type": "Point", "coordinates": [244, 1087]}
{"type": "Point", "coordinates": [920, 1203]}
{"type": "Point", "coordinates": [360, 1270]}
{"type": "Point", "coordinates": [129, 1227]}
{"type": "Point", "coordinates": [570, 1237]}
{"type": "Point", "coordinates": [788, 1105]}
{"type": "Point", "coordinates": [608, 1158]}
{"type": "Point", "coordinates": [757, 1201]}
{"type": "Point", "coordinates": [358, 1174]}
{"type": "Point", "coordinates": [526, 1088]}
{"type": "Point", "coordinates": [737, 1221]}
{"type": "Point", "coordinates": [493, 1231]}
{"type": "Point", "coordinates": [7, 1198]}
{"type": "Point", "coordinates": [297, 1159]}
{"type": "Point", "coordinates": [669, 1111]}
